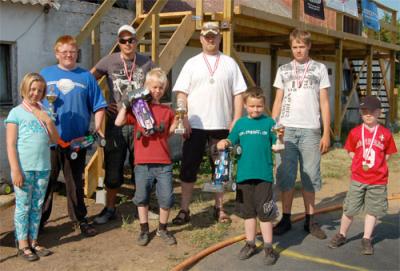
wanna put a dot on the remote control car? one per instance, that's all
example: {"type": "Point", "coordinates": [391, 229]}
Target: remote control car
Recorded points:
{"type": "Point", "coordinates": [84, 142]}
{"type": "Point", "coordinates": [223, 174]}
{"type": "Point", "coordinates": [138, 99]}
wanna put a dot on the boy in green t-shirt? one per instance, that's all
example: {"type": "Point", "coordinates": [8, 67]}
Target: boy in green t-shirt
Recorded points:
{"type": "Point", "coordinates": [255, 173]}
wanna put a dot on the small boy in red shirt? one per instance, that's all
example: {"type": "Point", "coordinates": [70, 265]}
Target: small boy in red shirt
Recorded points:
{"type": "Point", "coordinates": [369, 145]}
{"type": "Point", "coordinates": [152, 158]}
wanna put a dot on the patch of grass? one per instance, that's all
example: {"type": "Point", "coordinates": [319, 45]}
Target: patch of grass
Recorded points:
{"type": "Point", "coordinates": [394, 161]}
{"type": "Point", "coordinates": [207, 236]}
{"type": "Point", "coordinates": [127, 223]}
{"type": "Point", "coordinates": [335, 164]}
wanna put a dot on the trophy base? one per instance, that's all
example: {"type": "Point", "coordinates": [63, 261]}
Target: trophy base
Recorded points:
{"type": "Point", "coordinates": [179, 131]}
{"type": "Point", "coordinates": [278, 147]}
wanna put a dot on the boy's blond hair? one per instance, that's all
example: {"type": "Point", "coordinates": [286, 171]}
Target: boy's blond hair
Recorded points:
{"type": "Point", "coordinates": [157, 74]}
{"type": "Point", "coordinates": [27, 82]}
{"type": "Point", "coordinates": [254, 92]}
{"type": "Point", "coordinates": [303, 36]}
{"type": "Point", "coordinates": [66, 39]}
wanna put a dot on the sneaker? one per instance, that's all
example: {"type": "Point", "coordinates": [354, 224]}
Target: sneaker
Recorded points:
{"type": "Point", "coordinates": [167, 237]}
{"type": "Point", "coordinates": [282, 227]}
{"type": "Point", "coordinates": [337, 241]}
{"type": "Point", "coordinates": [143, 238]}
{"type": "Point", "coordinates": [367, 248]}
{"type": "Point", "coordinates": [105, 216]}
{"type": "Point", "coordinates": [271, 256]}
{"type": "Point", "coordinates": [315, 230]}
{"type": "Point", "coordinates": [247, 251]}
{"type": "Point", "coordinates": [153, 216]}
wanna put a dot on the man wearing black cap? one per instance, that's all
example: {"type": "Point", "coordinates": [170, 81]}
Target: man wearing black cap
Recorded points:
{"type": "Point", "coordinates": [125, 70]}
{"type": "Point", "coordinates": [369, 145]}
{"type": "Point", "coordinates": [210, 85]}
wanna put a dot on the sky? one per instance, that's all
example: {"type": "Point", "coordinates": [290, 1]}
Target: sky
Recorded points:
{"type": "Point", "coordinates": [394, 4]}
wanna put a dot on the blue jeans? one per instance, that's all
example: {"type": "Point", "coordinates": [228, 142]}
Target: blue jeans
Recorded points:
{"type": "Point", "coordinates": [28, 204]}
{"type": "Point", "coordinates": [301, 147]}
{"type": "Point", "coordinates": [145, 176]}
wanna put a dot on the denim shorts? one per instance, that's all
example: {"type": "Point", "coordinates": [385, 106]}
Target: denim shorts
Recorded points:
{"type": "Point", "coordinates": [119, 142]}
{"type": "Point", "coordinates": [371, 198]}
{"type": "Point", "coordinates": [301, 147]}
{"type": "Point", "coordinates": [146, 175]}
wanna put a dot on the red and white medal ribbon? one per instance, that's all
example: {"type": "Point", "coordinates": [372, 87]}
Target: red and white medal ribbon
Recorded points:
{"type": "Point", "coordinates": [299, 83]}
{"type": "Point", "coordinates": [29, 109]}
{"type": "Point", "coordinates": [368, 151]}
{"type": "Point", "coordinates": [210, 70]}
{"type": "Point", "coordinates": [129, 75]}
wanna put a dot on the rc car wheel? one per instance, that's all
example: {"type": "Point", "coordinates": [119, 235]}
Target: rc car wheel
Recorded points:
{"type": "Point", "coordinates": [73, 155]}
{"type": "Point", "coordinates": [102, 142]}
{"type": "Point", "coordinates": [233, 186]}
{"type": "Point", "coordinates": [5, 189]}
{"type": "Point", "coordinates": [237, 150]}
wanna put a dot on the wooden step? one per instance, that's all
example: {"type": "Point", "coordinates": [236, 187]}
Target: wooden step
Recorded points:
{"type": "Point", "coordinates": [169, 15]}
{"type": "Point", "coordinates": [148, 42]}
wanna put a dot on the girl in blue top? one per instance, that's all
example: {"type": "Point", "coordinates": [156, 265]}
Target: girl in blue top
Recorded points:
{"type": "Point", "coordinates": [29, 129]}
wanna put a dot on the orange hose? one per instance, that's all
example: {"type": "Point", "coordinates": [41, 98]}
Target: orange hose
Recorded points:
{"type": "Point", "coordinates": [200, 255]}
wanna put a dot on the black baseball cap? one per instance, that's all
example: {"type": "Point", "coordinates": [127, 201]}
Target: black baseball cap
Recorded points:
{"type": "Point", "coordinates": [370, 102]}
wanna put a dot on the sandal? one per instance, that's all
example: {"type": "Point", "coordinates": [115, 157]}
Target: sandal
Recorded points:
{"type": "Point", "coordinates": [181, 218]}
{"type": "Point", "coordinates": [41, 251]}
{"type": "Point", "coordinates": [87, 230]}
{"type": "Point", "coordinates": [27, 254]}
{"type": "Point", "coordinates": [221, 216]}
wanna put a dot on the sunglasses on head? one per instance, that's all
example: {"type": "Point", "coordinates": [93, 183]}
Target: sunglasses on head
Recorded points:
{"type": "Point", "coordinates": [125, 41]}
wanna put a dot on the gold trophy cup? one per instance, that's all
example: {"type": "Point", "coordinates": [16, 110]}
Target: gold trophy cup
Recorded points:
{"type": "Point", "coordinates": [278, 127]}
{"type": "Point", "coordinates": [51, 97]}
{"type": "Point", "coordinates": [180, 112]}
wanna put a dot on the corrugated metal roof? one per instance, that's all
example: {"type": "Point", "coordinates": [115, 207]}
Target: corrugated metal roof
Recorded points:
{"type": "Point", "coordinates": [52, 3]}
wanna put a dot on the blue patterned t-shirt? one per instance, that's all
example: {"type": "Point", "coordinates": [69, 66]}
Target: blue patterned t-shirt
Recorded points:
{"type": "Point", "coordinates": [32, 140]}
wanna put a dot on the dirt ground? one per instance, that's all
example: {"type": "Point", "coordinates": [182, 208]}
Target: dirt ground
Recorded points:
{"type": "Point", "coordinates": [114, 248]}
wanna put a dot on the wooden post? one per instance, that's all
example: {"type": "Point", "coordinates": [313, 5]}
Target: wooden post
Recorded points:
{"type": "Point", "coordinates": [274, 69]}
{"type": "Point", "coordinates": [337, 129]}
{"type": "Point", "coordinates": [369, 69]}
{"type": "Point", "coordinates": [199, 14]}
{"type": "Point", "coordinates": [227, 35]}
{"type": "Point", "coordinates": [139, 7]}
{"type": "Point", "coordinates": [394, 24]}
{"type": "Point", "coordinates": [296, 9]}
{"type": "Point", "coordinates": [339, 21]}
{"type": "Point", "coordinates": [392, 97]}
{"type": "Point", "coordinates": [155, 37]}
{"type": "Point", "coordinates": [95, 43]}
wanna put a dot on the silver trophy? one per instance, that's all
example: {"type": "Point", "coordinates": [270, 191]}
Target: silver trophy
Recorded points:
{"type": "Point", "coordinates": [51, 97]}
{"type": "Point", "coordinates": [278, 127]}
{"type": "Point", "coordinates": [180, 112]}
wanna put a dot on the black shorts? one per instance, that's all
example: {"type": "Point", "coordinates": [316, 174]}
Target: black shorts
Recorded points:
{"type": "Point", "coordinates": [119, 142]}
{"type": "Point", "coordinates": [193, 151]}
{"type": "Point", "coordinates": [254, 198]}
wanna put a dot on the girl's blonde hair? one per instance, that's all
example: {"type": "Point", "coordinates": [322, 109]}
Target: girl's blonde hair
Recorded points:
{"type": "Point", "coordinates": [157, 74]}
{"type": "Point", "coordinates": [27, 82]}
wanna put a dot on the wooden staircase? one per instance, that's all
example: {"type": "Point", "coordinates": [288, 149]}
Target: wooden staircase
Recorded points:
{"type": "Point", "coordinates": [378, 86]}
{"type": "Point", "coordinates": [162, 36]}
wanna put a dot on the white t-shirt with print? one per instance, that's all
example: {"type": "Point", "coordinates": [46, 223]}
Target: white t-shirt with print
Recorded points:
{"type": "Point", "coordinates": [210, 105]}
{"type": "Point", "coordinates": [301, 84]}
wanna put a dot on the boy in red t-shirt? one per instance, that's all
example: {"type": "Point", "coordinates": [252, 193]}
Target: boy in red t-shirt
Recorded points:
{"type": "Point", "coordinates": [369, 145]}
{"type": "Point", "coordinates": [152, 158]}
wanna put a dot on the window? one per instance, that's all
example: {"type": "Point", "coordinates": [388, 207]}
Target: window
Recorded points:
{"type": "Point", "coordinates": [254, 69]}
{"type": "Point", "coordinates": [5, 75]}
